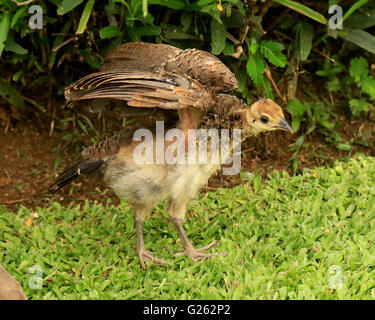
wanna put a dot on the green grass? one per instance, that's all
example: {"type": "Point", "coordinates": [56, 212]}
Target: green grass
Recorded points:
{"type": "Point", "coordinates": [283, 235]}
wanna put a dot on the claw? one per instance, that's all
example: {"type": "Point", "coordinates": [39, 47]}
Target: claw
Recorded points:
{"type": "Point", "coordinates": [145, 255]}
{"type": "Point", "coordinates": [197, 254]}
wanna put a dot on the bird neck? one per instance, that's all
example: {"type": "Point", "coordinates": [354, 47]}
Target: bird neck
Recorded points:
{"type": "Point", "coordinates": [230, 119]}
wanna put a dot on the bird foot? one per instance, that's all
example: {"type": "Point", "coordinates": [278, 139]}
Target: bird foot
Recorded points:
{"type": "Point", "coordinates": [198, 254]}
{"type": "Point", "coordinates": [145, 255]}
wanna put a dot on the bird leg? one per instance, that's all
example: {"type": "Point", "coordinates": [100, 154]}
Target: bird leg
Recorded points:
{"type": "Point", "coordinates": [190, 251]}
{"type": "Point", "coordinates": [143, 254]}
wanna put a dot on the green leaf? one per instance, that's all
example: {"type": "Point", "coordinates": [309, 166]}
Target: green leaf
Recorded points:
{"type": "Point", "coordinates": [49, 234]}
{"type": "Point", "coordinates": [235, 20]}
{"type": "Point", "coordinates": [272, 45]}
{"type": "Point", "coordinates": [10, 94]}
{"type": "Point", "coordinates": [145, 31]}
{"type": "Point", "coordinates": [368, 86]}
{"type": "Point", "coordinates": [173, 4]}
{"type": "Point", "coordinates": [82, 126]}
{"type": "Point", "coordinates": [109, 32]}
{"type": "Point", "coordinates": [218, 37]}
{"type": "Point", "coordinates": [310, 129]}
{"type": "Point", "coordinates": [202, 3]}
{"type": "Point", "coordinates": [299, 7]}
{"type": "Point", "coordinates": [85, 16]}
{"type": "Point", "coordinates": [299, 141]}
{"type": "Point", "coordinates": [4, 29]}
{"type": "Point", "coordinates": [326, 124]}
{"type": "Point", "coordinates": [268, 89]}
{"type": "Point", "coordinates": [322, 73]}
{"type": "Point", "coordinates": [11, 45]}
{"type": "Point", "coordinates": [257, 182]}
{"type": "Point", "coordinates": [186, 19]}
{"type": "Point", "coordinates": [271, 50]}
{"type": "Point", "coordinates": [91, 58]}
{"type": "Point", "coordinates": [17, 16]}
{"type": "Point", "coordinates": [358, 67]}
{"type": "Point", "coordinates": [212, 11]}
{"type": "Point", "coordinates": [67, 5]}
{"type": "Point", "coordinates": [360, 20]}
{"type": "Point", "coordinates": [57, 162]}
{"type": "Point", "coordinates": [229, 48]}
{"type": "Point", "coordinates": [255, 69]}
{"type": "Point", "coordinates": [333, 85]}
{"type": "Point", "coordinates": [296, 123]}
{"type": "Point", "coordinates": [241, 79]}
{"type": "Point", "coordinates": [361, 38]}
{"type": "Point", "coordinates": [145, 8]}
{"type": "Point", "coordinates": [344, 146]}
{"type": "Point", "coordinates": [58, 40]}
{"type": "Point", "coordinates": [296, 108]}
{"type": "Point", "coordinates": [358, 106]}
{"type": "Point", "coordinates": [353, 8]}
{"type": "Point", "coordinates": [304, 37]}
{"type": "Point", "coordinates": [254, 46]}
{"type": "Point", "coordinates": [16, 76]}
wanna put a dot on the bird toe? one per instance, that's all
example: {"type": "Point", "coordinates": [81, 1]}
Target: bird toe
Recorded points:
{"type": "Point", "coordinates": [198, 254]}
{"type": "Point", "coordinates": [146, 255]}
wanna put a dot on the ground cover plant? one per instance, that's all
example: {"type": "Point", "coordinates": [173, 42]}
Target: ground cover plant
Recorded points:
{"type": "Point", "coordinates": [304, 237]}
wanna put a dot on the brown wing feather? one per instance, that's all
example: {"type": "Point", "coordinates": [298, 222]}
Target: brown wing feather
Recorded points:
{"type": "Point", "coordinates": [191, 63]}
{"type": "Point", "coordinates": [139, 89]}
{"type": "Point", "coordinates": [139, 56]}
{"type": "Point", "coordinates": [203, 67]}
{"type": "Point", "coordinates": [147, 75]}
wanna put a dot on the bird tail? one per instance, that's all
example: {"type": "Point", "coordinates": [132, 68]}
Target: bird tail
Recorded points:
{"type": "Point", "coordinates": [73, 172]}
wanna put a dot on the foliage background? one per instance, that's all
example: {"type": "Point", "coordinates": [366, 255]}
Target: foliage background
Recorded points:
{"type": "Point", "coordinates": [281, 49]}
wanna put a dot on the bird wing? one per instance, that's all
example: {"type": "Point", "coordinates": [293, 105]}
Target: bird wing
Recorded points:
{"type": "Point", "coordinates": [195, 64]}
{"type": "Point", "coordinates": [139, 56]}
{"type": "Point", "coordinates": [203, 67]}
{"type": "Point", "coordinates": [147, 75]}
{"type": "Point", "coordinates": [139, 89]}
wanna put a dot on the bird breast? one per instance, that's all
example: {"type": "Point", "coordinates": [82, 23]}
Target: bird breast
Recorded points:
{"type": "Point", "coordinates": [186, 180]}
{"type": "Point", "coordinates": [148, 185]}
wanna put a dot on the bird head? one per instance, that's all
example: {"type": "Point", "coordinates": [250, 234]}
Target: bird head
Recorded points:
{"type": "Point", "coordinates": [266, 115]}
{"type": "Point", "coordinates": [263, 115]}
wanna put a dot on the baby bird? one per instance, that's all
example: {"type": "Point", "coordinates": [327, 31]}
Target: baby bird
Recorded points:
{"type": "Point", "coordinates": [145, 185]}
{"type": "Point", "coordinates": [145, 181]}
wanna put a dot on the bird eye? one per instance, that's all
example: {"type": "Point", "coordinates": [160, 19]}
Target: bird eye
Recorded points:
{"type": "Point", "coordinates": [264, 119]}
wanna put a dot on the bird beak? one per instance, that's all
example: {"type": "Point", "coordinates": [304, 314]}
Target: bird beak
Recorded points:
{"type": "Point", "coordinates": [284, 125]}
